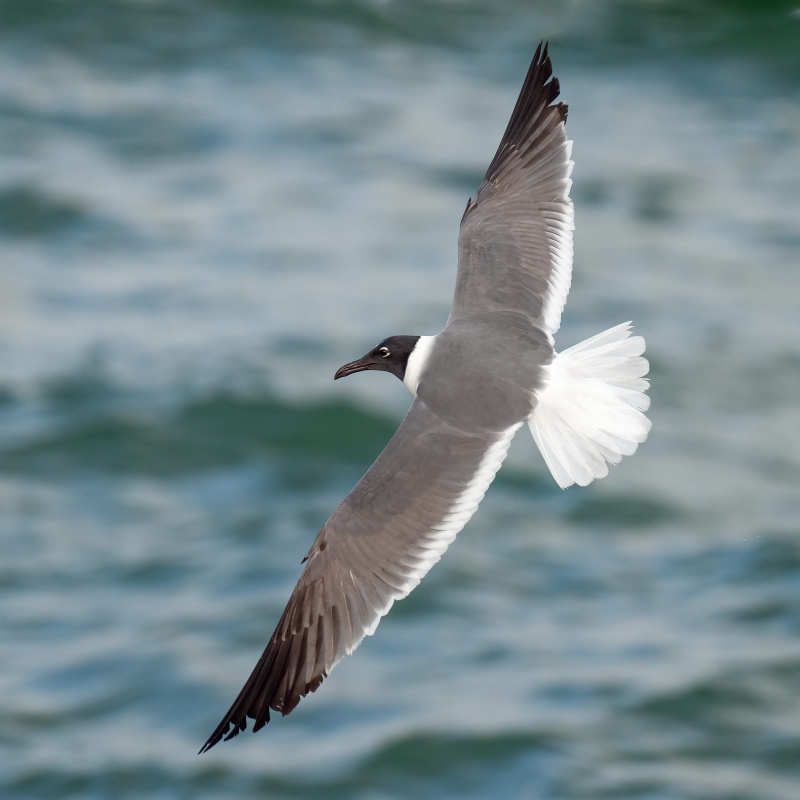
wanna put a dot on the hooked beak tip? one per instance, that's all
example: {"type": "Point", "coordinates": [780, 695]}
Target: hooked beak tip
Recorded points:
{"type": "Point", "coordinates": [349, 369]}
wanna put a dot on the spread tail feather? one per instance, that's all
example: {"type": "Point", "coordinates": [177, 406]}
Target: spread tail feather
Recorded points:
{"type": "Point", "coordinates": [590, 410]}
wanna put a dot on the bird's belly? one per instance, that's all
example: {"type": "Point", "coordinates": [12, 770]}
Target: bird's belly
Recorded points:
{"type": "Point", "coordinates": [483, 375]}
{"type": "Point", "coordinates": [476, 402]}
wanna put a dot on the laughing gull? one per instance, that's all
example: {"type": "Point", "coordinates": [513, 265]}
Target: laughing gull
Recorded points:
{"type": "Point", "coordinates": [492, 369]}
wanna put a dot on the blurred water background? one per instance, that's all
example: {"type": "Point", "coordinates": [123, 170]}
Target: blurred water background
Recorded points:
{"type": "Point", "coordinates": [206, 208]}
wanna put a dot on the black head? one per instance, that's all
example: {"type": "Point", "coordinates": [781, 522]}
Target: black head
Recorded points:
{"type": "Point", "coordinates": [391, 355]}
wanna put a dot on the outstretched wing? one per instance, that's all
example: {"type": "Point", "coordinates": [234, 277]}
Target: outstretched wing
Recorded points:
{"type": "Point", "coordinates": [515, 242]}
{"type": "Point", "coordinates": [376, 547]}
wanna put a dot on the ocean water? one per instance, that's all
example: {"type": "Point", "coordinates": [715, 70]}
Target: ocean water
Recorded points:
{"type": "Point", "coordinates": [205, 209]}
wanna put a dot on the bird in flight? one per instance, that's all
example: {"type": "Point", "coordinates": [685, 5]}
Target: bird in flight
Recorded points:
{"type": "Point", "coordinates": [492, 369]}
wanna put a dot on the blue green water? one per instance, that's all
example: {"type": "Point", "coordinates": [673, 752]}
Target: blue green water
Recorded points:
{"type": "Point", "coordinates": [205, 209]}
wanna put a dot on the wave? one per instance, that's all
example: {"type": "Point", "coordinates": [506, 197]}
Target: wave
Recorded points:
{"type": "Point", "coordinates": [216, 431]}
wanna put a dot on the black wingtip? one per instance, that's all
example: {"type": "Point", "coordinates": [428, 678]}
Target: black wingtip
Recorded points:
{"type": "Point", "coordinates": [215, 738]}
{"type": "Point", "coordinates": [222, 734]}
{"type": "Point", "coordinates": [208, 745]}
{"type": "Point", "coordinates": [540, 91]}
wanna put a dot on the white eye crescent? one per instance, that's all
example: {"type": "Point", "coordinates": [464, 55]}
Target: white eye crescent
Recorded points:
{"type": "Point", "coordinates": [384, 351]}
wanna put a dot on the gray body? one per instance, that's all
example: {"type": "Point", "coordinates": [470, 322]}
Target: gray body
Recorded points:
{"type": "Point", "coordinates": [484, 370]}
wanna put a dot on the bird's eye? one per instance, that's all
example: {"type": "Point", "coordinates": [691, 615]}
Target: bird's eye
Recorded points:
{"type": "Point", "coordinates": [384, 351]}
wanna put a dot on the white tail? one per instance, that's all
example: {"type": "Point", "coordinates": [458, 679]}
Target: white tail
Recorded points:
{"type": "Point", "coordinates": [590, 410]}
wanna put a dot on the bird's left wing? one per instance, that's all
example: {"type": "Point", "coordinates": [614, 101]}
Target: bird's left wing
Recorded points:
{"type": "Point", "coordinates": [515, 242]}
{"type": "Point", "coordinates": [376, 547]}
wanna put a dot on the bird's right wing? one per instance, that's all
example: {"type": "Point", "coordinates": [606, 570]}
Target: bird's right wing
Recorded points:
{"type": "Point", "coordinates": [376, 547]}
{"type": "Point", "coordinates": [515, 242]}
